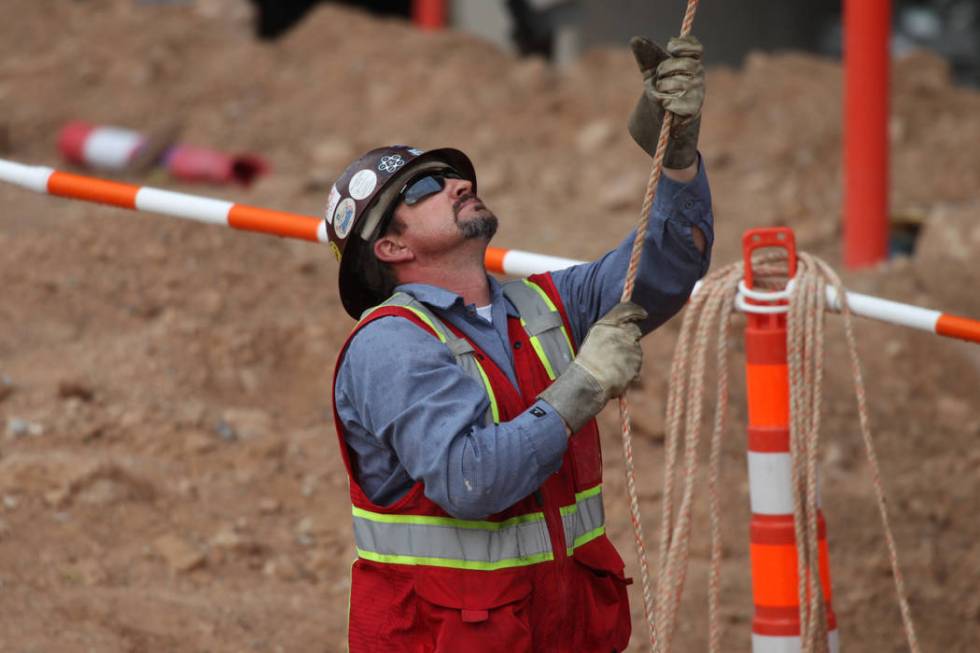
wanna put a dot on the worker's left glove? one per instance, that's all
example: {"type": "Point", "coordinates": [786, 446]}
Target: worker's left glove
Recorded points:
{"type": "Point", "coordinates": [673, 80]}
{"type": "Point", "coordinates": [608, 360]}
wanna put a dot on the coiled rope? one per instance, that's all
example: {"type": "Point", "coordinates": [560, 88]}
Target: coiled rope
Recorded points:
{"type": "Point", "coordinates": [709, 313]}
{"type": "Point", "coordinates": [805, 337]}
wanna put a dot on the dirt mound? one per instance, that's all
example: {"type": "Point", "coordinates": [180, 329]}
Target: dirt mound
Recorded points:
{"type": "Point", "coordinates": [168, 471]}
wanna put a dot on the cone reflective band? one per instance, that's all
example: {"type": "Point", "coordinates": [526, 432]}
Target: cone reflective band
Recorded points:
{"type": "Point", "coordinates": [502, 261]}
{"type": "Point", "coordinates": [772, 537]}
{"type": "Point", "coordinates": [154, 200]}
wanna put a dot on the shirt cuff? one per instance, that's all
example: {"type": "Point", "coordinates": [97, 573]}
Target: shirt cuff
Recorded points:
{"type": "Point", "coordinates": [544, 431]}
{"type": "Point", "coordinates": [689, 203]}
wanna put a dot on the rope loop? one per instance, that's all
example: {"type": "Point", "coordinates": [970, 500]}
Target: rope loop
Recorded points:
{"type": "Point", "coordinates": [707, 319]}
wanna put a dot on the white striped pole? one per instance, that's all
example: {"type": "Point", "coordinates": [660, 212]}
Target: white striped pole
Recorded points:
{"type": "Point", "coordinates": [515, 262]}
{"type": "Point", "coordinates": [518, 263]}
{"type": "Point", "coordinates": [153, 200]}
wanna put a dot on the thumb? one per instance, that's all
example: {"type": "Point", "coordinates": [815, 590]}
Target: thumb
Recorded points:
{"type": "Point", "coordinates": [623, 313]}
{"type": "Point", "coordinates": [648, 54]}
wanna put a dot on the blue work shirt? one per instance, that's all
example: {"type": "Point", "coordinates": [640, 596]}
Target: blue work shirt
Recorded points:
{"type": "Point", "coordinates": [410, 413]}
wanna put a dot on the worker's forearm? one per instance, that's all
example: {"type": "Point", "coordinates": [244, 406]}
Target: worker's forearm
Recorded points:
{"type": "Point", "coordinates": [676, 253]}
{"type": "Point", "coordinates": [490, 468]}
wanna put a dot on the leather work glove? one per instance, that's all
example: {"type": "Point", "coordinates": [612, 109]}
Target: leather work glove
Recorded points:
{"type": "Point", "coordinates": [673, 79]}
{"type": "Point", "coordinates": [607, 362]}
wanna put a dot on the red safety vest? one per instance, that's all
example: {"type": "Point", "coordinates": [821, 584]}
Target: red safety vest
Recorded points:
{"type": "Point", "coordinates": [539, 576]}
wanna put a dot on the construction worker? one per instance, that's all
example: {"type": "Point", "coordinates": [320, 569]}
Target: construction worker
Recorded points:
{"type": "Point", "coordinates": [465, 408]}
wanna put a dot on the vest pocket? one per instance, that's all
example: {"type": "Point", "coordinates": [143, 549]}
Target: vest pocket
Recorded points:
{"type": "Point", "coordinates": [587, 456]}
{"type": "Point", "coordinates": [382, 609]}
{"type": "Point", "coordinates": [603, 605]}
{"type": "Point", "coordinates": [474, 610]}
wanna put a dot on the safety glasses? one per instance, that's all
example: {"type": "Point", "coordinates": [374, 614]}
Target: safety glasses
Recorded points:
{"type": "Point", "coordinates": [418, 189]}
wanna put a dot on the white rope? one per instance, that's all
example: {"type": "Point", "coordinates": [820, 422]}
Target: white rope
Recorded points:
{"type": "Point", "coordinates": [709, 312]}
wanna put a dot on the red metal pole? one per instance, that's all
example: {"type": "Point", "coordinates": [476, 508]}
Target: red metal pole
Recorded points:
{"type": "Point", "coordinates": [429, 14]}
{"type": "Point", "coordinates": [867, 27]}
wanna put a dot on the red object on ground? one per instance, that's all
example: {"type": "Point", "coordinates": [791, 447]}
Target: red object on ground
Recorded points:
{"type": "Point", "coordinates": [429, 14]}
{"type": "Point", "coordinates": [867, 27]}
{"type": "Point", "coordinates": [190, 163]}
{"type": "Point", "coordinates": [71, 141]}
{"type": "Point", "coordinates": [102, 147]}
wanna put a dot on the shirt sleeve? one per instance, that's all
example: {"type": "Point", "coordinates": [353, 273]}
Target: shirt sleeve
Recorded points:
{"type": "Point", "coordinates": [669, 266]}
{"type": "Point", "coordinates": [402, 397]}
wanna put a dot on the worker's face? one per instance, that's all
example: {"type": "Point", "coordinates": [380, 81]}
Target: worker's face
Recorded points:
{"type": "Point", "coordinates": [447, 215]}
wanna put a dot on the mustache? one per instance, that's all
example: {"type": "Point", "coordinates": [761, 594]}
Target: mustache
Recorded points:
{"type": "Point", "coordinates": [463, 199]}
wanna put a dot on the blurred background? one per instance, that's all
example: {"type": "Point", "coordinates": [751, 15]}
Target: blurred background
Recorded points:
{"type": "Point", "coordinates": [169, 478]}
{"type": "Point", "coordinates": [561, 29]}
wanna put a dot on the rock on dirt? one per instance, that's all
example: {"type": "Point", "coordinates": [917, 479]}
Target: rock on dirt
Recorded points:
{"type": "Point", "coordinates": [180, 555]}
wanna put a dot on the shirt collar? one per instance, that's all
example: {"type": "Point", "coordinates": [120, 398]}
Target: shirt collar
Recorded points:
{"type": "Point", "coordinates": [443, 299]}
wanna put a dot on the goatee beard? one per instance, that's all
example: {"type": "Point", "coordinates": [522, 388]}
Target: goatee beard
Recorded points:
{"type": "Point", "coordinates": [483, 225]}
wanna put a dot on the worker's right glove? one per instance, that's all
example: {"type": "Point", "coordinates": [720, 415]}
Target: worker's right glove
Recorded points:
{"type": "Point", "coordinates": [673, 79]}
{"type": "Point", "coordinates": [608, 360]}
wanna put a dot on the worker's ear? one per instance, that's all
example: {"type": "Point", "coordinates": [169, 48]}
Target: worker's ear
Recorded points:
{"type": "Point", "coordinates": [392, 250]}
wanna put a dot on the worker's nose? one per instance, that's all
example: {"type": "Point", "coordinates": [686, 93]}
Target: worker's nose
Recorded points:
{"type": "Point", "coordinates": [459, 187]}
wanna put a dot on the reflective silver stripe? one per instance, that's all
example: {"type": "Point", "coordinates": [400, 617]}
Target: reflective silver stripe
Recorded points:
{"type": "Point", "coordinates": [541, 320]}
{"type": "Point", "coordinates": [584, 521]}
{"type": "Point", "coordinates": [458, 346]}
{"type": "Point", "coordinates": [472, 544]}
{"type": "Point", "coordinates": [442, 541]}
{"type": "Point", "coordinates": [538, 324]}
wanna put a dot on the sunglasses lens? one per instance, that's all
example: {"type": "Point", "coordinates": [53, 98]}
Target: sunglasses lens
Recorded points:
{"type": "Point", "coordinates": [420, 189]}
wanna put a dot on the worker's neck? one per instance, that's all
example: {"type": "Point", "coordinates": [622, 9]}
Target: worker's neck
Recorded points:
{"type": "Point", "coordinates": [464, 275]}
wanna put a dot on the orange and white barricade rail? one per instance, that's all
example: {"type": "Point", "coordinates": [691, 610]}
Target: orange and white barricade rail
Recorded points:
{"type": "Point", "coordinates": [519, 263]}
{"type": "Point", "coordinates": [154, 200]}
{"type": "Point", "coordinates": [42, 179]}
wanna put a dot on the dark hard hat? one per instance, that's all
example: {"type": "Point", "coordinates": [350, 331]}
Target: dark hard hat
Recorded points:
{"type": "Point", "coordinates": [360, 200]}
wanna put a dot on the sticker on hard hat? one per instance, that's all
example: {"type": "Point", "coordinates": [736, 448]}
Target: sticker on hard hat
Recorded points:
{"type": "Point", "coordinates": [416, 151]}
{"type": "Point", "coordinates": [391, 163]}
{"type": "Point", "coordinates": [362, 184]}
{"type": "Point", "coordinates": [335, 250]}
{"type": "Point", "coordinates": [332, 203]}
{"type": "Point", "coordinates": [343, 218]}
